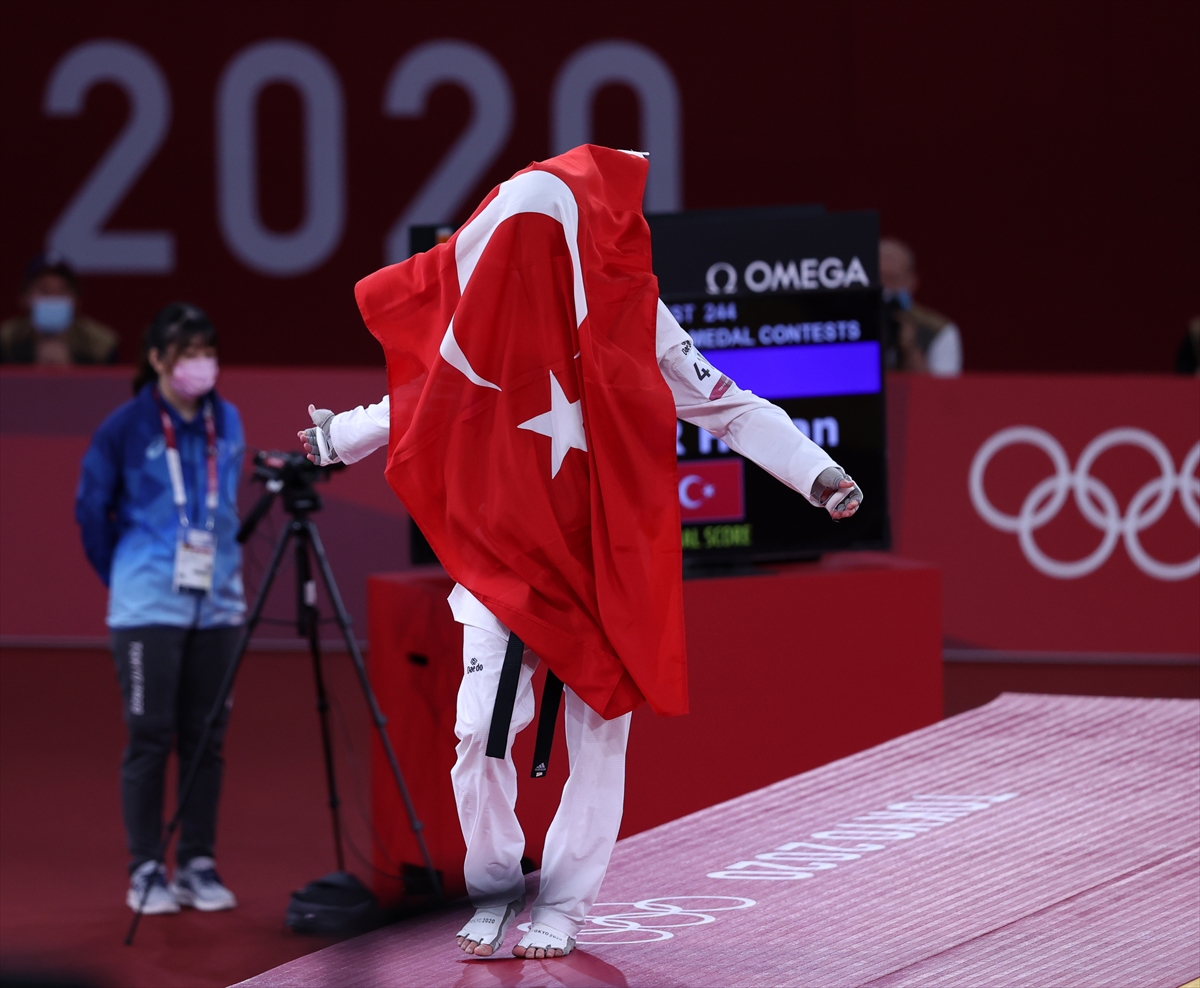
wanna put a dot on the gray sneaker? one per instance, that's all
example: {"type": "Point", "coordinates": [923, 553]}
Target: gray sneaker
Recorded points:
{"type": "Point", "coordinates": [198, 885]}
{"type": "Point", "coordinates": [158, 899]}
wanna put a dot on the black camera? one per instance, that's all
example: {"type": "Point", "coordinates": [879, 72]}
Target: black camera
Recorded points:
{"type": "Point", "coordinates": [290, 474]}
{"type": "Point", "coordinates": [284, 468]}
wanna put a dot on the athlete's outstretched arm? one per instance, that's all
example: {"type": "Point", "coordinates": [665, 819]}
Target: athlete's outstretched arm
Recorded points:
{"type": "Point", "coordinates": [749, 425]}
{"type": "Point", "coordinates": [348, 436]}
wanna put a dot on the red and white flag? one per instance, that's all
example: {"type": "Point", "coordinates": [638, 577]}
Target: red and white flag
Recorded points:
{"type": "Point", "coordinates": [532, 434]}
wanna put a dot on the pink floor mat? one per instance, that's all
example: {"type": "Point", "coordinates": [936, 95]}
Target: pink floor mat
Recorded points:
{"type": "Point", "coordinates": [1037, 841]}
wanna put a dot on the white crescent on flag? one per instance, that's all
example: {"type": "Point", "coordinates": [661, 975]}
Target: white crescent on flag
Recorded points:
{"type": "Point", "coordinates": [452, 353]}
{"type": "Point", "coordinates": [685, 485]}
{"type": "Point", "coordinates": [533, 192]}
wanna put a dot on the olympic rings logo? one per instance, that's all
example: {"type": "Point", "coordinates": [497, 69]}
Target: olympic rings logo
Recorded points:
{"type": "Point", "coordinates": [1094, 499]}
{"type": "Point", "coordinates": [652, 920]}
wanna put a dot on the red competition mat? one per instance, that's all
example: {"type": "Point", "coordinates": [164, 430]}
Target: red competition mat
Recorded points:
{"type": "Point", "coordinates": [1039, 841]}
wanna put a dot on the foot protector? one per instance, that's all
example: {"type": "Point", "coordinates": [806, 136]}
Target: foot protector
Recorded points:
{"type": "Point", "coordinates": [542, 937]}
{"type": "Point", "coordinates": [488, 925]}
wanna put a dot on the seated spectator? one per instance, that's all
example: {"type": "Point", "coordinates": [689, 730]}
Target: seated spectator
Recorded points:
{"type": "Point", "coordinates": [917, 339]}
{"type": "Point", "coordinates": [1187, 358]}
{"type": "Point", "coordinates": [51, 329]}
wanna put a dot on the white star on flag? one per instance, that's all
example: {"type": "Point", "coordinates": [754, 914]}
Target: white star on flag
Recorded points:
{"type": "Point", "coordinates": [563, 424]}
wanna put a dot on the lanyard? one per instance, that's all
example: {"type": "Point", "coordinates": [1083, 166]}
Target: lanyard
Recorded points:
{"type": "Point", "coordinates": [175, 464]}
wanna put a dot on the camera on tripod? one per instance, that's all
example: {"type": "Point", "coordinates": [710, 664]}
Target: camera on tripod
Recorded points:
{"type": "Point", "coordinates": [291, 475]}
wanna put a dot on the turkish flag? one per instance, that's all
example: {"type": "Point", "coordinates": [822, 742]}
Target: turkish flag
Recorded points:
{"type": "Point", "coordinates": [532, 434]}
{"type": "Point", "coordinates": [711, 490]}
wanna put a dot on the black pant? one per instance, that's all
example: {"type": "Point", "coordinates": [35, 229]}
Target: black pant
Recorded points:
{"type": "Point", "coordinates": [169, 679]}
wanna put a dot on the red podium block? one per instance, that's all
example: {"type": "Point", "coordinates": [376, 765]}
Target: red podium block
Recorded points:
{"type": "Point", "coordinates": [789, 668]}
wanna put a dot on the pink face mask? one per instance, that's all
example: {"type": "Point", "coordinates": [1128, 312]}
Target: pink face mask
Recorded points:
{"type": "Point", "coordinates": [193, 377]}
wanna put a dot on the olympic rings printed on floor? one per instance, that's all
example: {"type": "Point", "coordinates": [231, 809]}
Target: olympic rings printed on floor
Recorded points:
{"type": "Point", "coordinates": [652, 920]}
{"type": "Point", "coordinates": [1094, 499]}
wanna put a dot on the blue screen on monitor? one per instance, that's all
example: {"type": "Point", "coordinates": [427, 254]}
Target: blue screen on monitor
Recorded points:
{"type": "Point", "coordinates": [810, 371]}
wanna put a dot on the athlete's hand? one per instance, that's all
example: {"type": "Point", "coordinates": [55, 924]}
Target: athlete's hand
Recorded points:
{"type": "Point", "coordinates": [317, 443]}
{"type": "Point", "coordinates": [837, 493]}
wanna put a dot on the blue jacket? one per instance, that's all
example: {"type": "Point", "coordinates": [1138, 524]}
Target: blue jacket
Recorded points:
{"type": "Point", "coordinates": [130, 525]}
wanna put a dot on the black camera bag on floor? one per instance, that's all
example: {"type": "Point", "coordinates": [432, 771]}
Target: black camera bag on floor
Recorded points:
{"type": "Point", "coordinates": [335, 904]}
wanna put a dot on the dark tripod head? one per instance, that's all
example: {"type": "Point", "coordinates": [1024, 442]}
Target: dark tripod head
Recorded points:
{"type": "Point", "coordinates": [290, 474]}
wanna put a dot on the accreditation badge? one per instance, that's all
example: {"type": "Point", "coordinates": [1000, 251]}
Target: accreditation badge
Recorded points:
{"type": "Point", "coordinates": [195, 560]}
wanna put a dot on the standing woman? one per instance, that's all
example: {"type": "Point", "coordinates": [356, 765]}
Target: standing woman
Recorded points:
{"type": "Point", "coordinates": [157, 506]}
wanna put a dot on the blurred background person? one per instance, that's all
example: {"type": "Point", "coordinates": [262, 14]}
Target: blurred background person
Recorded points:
{"type": "Point", "coordinates": [157, 508]}
{"type": "Point", "coordinates": [1187, 358]}
{"type": "Point", "coordinates": [916, 338]}
{"type": "Point", "coordinates": [51, 328]}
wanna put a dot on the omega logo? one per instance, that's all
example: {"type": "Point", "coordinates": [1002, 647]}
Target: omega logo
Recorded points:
{"type": "Point", "coordinates": [759, 276]}
{"type": "Point", "coordinates": [731, 279]}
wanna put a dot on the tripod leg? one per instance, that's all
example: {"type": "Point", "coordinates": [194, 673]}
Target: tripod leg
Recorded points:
{"type": "Point", "coordinates": [308, 626]}
{"type": "Point", "coordinates": [189, 782]}
{"type": "Point", "coordinates": [344, 622]}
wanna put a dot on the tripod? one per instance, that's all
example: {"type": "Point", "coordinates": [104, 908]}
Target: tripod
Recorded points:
{"type": "Point", "coordinates": [291, 475]}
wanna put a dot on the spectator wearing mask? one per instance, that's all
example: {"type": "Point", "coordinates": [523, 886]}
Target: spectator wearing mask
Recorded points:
{"type": "Point", "coordinates": [51, 329]}
{"type": "Point", "coordinates": [157, 508]}
{"type": "Point", "coordinates": [917, 339]}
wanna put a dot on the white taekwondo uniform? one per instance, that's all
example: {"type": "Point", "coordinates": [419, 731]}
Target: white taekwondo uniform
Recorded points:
{"type": "Point", "coordinates": [584, 830]}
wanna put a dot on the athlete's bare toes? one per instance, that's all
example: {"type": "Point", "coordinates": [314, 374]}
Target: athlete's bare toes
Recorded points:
{"type": "Point", "coordinates": [472, 947]}
{"type": "Point", "coordinates": [536, 953]}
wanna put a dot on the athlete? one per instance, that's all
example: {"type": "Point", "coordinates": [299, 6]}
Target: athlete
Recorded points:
{"type": "Point", "coordinates": [581, 837]}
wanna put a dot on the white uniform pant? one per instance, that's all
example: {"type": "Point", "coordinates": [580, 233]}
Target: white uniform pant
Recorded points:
{"type": "Point", "coordinates": [581, 837]}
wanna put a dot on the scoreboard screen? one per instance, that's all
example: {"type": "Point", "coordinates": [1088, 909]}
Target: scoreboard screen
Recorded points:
{"type": "Point", "coordinates": [816, 355]}
{"type": "Point", "coordinates": [784, 300]}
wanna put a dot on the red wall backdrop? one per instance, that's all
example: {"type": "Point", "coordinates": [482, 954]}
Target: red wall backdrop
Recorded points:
{"type": "Point", "coordinates": [1041, 576]}
{"type": "Point", "coordinates": [1041, 158]}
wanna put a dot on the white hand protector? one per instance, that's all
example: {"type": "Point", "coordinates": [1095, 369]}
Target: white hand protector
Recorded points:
{"type": "Point", "coordinates": [827, 490]}
{"type": "Point", "coordinates": [318, 437]}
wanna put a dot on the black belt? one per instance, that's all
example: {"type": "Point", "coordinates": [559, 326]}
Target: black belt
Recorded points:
{"type": "Point", "coordinates": [506, 699]}
{"type": "Point", "coordinates": [551, 695]}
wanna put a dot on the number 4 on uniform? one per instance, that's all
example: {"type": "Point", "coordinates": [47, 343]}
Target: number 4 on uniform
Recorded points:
{"type": "Point", "coordinates": [701, 372]}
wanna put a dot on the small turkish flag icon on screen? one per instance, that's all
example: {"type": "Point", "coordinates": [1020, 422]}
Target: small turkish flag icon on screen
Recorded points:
{"type": "Point", "coordinates": [711, 490]}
